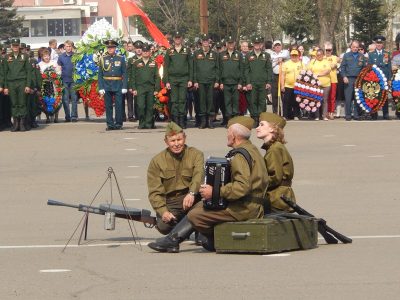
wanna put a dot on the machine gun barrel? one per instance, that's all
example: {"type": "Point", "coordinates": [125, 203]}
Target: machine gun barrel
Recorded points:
{"type": "Point", "coordinates": [59, 203]}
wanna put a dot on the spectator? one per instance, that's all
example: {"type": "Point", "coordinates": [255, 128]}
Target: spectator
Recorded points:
{"type": "Point", "coordinates": [53, 50]}
{"type": "Point", "coordinates": [64, 61]}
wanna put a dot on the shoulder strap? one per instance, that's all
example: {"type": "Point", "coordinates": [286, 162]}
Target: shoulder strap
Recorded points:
{"type": "Point", "coordinates": [243, 152]}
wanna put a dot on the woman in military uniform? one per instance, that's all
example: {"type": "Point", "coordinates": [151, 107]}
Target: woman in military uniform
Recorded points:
{"type": "Point", "coordinates": [277, 159]}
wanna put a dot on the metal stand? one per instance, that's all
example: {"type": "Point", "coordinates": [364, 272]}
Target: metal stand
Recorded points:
{"type": "Point", "coordinates": [85, 218]}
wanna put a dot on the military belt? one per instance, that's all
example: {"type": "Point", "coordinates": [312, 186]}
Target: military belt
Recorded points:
{"type": "Point", "coordinates": [112, 78]}
{"type": "Point", "coordinates": [174, 194]}
{"type": "Point", "coordinates": [286, 183]}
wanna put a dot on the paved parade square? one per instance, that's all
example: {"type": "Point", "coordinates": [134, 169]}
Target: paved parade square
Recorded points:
{"type": "Point", "coordinates": [346, 172]}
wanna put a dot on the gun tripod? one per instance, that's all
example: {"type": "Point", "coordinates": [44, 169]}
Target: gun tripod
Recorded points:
{"type": "Point", "coordinates": [108, 210]}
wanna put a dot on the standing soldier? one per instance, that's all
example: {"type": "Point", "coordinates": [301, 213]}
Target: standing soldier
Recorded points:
{"type": "Point", "coordinates": [113, 83]}
{"type": "Point", "coordinates": [231, 70]}
{"type": "Point", "coordinates": [382, 59]}
{"type": "Point", "coordinates": [18, 73]}
{"type": "Point", "coordinates": [206, 78]}
{"type": "Point", "coordinates": [258, 76]}
{"type": "Point", "coordinates": [144, 82]}
{"type": "Point", "coordinates": [178, 65]}
{"type": "Point", "coordinates": [2, 119]}
{"type": "Point", "coordinates": [352, 64]}
{"type": "Point", "coordinates": [33, 102]}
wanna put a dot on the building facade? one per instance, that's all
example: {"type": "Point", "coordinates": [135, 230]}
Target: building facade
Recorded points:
{"type": "Point", "coordinates": [67, 19]}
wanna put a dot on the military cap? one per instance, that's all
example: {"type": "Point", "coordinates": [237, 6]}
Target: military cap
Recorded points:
{"type": "Point", "coordinates": [242, 120]}
{"type": "Point", "coordinates": [28, 47]}
{"type": "Point", "coordinates": [22, 45]}
{"type": "Point", "coordinates": [218, 45]}
{"type": "Point", "coordinates": [230, 39]}
{"type": "Point", "coordinates": [15, 41]}
{"type": "Point", "coordinates": [177, 34]}
{"type": "Point", "coordinates": [204, 37]}
{"type": "Point", "coordinates": [273, 119]}
{"type": "Point", "coordinates": [138, 44]}
{"type": "Point", "coordinates": [111, 43]}
{"type": "Point", "coordinates": [172, 129]}
{"type": "Point", "coordinates": [257, 40]}
{"type": "Point", "coordinates": [146, 48]}
{"type": "Point", "coordinates": [379, 39]}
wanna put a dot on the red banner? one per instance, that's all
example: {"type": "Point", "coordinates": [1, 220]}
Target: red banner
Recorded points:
{"type": "Point", "coordinates": [130, 8]}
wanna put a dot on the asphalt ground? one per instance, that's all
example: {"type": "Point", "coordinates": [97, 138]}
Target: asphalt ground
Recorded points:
{"type": "Point", "coordinates": [346, 172]}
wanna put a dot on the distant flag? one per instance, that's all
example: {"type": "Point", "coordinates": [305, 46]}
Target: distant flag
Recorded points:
{"type": "Point", "coordinates": [131, 8]}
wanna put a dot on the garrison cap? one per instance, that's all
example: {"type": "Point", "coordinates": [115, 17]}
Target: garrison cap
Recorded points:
{"type": "Point", "coordinates": [204, 37]}
{"type": "Point", "coordinates": [177, 34]}
{"type": "Point", "coordinates": [257, 40]}
{"type": "Point", "coordinates": [379, 39]}
{"type": "Point", "coordinates": [273, 119]}
{"type": "Point", "coordinates": [242, 120]}
{"type": "Point", "coordinates": [15, 41]}
{"type": "Point", "coordinates": [172, 129]}
{"type": "Point", "coordinates": [146, 48]}
{"type": "Point", "coordinates": [229, 39]}
{"type": "Point", "coordinates": [138, 44]}
{"type": "Point", "coordinates": [111, 43]}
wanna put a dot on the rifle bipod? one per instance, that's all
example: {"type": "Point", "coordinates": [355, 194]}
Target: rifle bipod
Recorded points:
{"type": "Point", "coordinates": [109, 210]}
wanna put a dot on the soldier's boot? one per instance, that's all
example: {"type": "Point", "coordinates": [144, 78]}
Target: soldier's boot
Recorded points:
{"type": "Point", "coordinates": [170, 243]}
{"type": "Point", "coordinates": [183, 122]}
{"type": "Point", "coordinates": [203, 122]}
{"type": "Point", "coordinates": [210, 123]}
{"type": "Point", "coordinates": [255, 122]}
{"type": "Point", "coordinates": [22, 125]}
{"type": "Point", "coordinates": [15, 124]}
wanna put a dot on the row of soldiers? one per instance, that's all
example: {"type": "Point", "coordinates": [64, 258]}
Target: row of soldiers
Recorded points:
{"type": "Point", "coordinates": [19, 80]}
{"type": "Point", "coordinates": [204, 70]}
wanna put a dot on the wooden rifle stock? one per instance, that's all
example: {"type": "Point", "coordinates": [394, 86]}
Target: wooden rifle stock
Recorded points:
{"type": "Point", "coordinates": [330, 235]}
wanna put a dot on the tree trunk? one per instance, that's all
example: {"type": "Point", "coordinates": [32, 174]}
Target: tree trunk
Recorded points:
{"type": "Point", "coordinates": [329, 12]}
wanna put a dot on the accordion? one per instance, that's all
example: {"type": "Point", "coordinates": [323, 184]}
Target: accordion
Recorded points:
{"type": "Point", "coordinates": [217, 173]}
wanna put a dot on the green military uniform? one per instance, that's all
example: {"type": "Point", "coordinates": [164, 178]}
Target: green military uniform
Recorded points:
{"type": "Point", "coordinates": [2, 121]}
{"type": "Point", "coordinates": [206, 74]}
{"type": "Point", "coordinates": [144, 79]}
{"type": "Point", "coordinates": [113, 80]}
{"type": "Point", "coordinates": [170, 178]}
{"type": "Point", "coordinates": [33, 98]}
{"type": "Point", "coordinates": [231, 70]}
{"type": "Point", "coordinates": [245, 193]}
{"type": "Point", "coordinates": [258, 73]}
{"type": "Point", "coordinates": [178, 65]}
{"type": "Point", "coordinates": [18, 72]}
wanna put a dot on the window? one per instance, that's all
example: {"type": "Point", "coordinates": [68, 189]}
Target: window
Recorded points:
{"type": "Point", "coordinates": [55, 27]}
{"type": "Point", "coordinates": [38, 28]}
{"type": "Point", "coordinates": [94, 19]}
{"type": "Point", "coordinates": [72, 26]}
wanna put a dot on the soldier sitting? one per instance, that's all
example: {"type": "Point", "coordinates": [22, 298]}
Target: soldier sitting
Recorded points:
{"type": "Point", "coordinates": [244, 193]}
{"type": "Point", "coordinates": [173, 178]}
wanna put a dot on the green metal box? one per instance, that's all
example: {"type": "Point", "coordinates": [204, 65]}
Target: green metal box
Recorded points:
{"type": "Point", "coordinates": [266, 235]}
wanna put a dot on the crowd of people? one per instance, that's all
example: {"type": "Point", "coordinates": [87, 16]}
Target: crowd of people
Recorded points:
{"type": "Point", "coordinates": [202, 79]}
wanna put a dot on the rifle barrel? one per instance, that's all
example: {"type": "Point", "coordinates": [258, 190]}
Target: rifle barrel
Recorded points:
{"type": "Point", "coordinates": [59, 203]}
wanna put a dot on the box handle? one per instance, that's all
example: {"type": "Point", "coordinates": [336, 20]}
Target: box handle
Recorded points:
{"type": "Point", "coordinates": [240, 235]}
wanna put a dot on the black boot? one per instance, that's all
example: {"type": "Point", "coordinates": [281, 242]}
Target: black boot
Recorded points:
{"type": "Point", "coordinates": [203, 122]}
{"type": "Point", "coordinates": [170, 243]}
{"type": "Point", "coordinates": [22, 127]}
{"type": "Point", "coordinates": [183, 122]}
{"type": "Point", "coordinates": [15, 127]}
{"type": "Point", "coordinates": [210, 123]}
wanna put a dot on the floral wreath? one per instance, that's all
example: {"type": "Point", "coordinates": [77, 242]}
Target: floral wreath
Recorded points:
{"type": "Point", "coordinates": [371, 89]}
{"type": "Point", "coordinates": [396, 90]}
{"type": "Point", "coordinates": [309, 95]}
{"type": "Point", "coordinates": [51, 99]}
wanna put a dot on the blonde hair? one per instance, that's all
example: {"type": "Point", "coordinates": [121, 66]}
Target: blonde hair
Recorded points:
{"type": "Point", "coordinates": [278, 134]}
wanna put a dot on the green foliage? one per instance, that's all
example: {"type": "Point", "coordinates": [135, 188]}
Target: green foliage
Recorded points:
{"type": "Point", "coordinates": [10, 23]}
{"type": "Point", "coordinates": [298, 20]}
{"type": "Point", "coordinates": [369, 19]}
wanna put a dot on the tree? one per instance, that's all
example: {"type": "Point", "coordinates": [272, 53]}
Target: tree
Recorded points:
{"type": "Point", "coordinates": [10, 23]}
{"type": "Point", "coordinates": [329, 12]}
{"type": "Point", "coordinates": [369, 19]}
{"type": "Point", "coordinates": [298, 20]}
